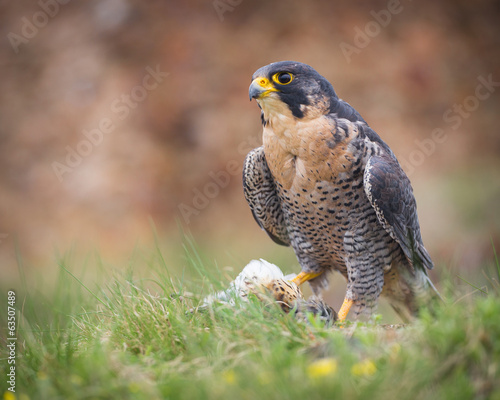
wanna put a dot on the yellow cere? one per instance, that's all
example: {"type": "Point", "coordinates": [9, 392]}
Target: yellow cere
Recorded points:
{"type": "Point", "coordinates": [263, 83]}
{"type": "Point", "coordinates": [321, 368]}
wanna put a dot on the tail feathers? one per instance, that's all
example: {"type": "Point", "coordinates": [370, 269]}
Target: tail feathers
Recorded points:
{"type": "Point", "coordinates": [425, 293]}
{"type": "Point", "coordinates": [414, 291]}
{"type": "Point", "coordinates": [424, 257]}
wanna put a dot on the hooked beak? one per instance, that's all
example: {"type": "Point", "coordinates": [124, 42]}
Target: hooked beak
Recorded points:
{"type": "Point", "coordinates": [260, 87]}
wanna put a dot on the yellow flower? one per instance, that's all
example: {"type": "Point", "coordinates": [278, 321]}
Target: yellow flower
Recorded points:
{"type": "Point", "coordinates": [41, 375]}
{"type": "Point", "coordinates": [9, 396]}
{"type": "Point", "coordinates": [263, 378]}
{"type": "Point", "coordinates": [321, 368]}
{"type": "Point", "coordinates": [395, 349]}
{"type": "Point", "coordinates": [76, 380]}
{"type": "Point", "coordinates": [134, 387]}
{"type": "Point", "coordinates": [364, 368]}
{"type": "Point", "coordinates": [229, 376]}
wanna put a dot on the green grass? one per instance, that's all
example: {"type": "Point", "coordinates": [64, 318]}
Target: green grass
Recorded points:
{"type": "Point", "coordinates": [134, 335]}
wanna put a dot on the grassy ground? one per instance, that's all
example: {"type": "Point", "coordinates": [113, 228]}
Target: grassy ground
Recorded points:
{"type": "Point", "coordinates": [131, 336]}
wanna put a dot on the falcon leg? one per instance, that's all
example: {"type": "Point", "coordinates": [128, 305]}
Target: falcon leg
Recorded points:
{"type": "Point", "coordinates": [344, 310]}
{"type": "Point", "coordinates": [304, 277]}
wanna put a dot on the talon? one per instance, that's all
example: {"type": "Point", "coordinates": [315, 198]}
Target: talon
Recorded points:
{"type": "Point", "coordinates": [304, 277]}
{"type": "Point", "coordinates": [344, 310]}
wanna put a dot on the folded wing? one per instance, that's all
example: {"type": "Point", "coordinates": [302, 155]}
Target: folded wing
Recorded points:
{"type": "Point", "coordinates": [260, 192]}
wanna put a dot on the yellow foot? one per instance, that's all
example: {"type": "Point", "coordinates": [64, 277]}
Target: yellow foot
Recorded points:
{"type": "Point", "coordinates": [304, 277]}
{"type": "Point", "coordinates": [344, 310]}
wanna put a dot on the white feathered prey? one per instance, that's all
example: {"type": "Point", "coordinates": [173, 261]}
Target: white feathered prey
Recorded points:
{"type": "Point", "coordinates": [268, 283]}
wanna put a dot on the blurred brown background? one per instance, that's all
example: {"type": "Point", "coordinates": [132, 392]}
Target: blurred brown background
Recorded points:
{"type": "Point", "coordinates": [167, 84]}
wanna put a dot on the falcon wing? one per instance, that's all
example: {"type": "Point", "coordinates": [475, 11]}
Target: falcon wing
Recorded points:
{"type": "Point", "coordinates": [391, 195]}
{"type": "Point", "coordinates": [260, 193]}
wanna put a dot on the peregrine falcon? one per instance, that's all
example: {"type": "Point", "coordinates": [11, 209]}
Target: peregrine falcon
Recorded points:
{"type": "Point", "coordinates": [326, 184]}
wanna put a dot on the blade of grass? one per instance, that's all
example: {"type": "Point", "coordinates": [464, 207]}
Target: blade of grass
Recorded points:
{"type": "Point", "coordinates": [497, 263]}
{"type": "Point", "coordinates": [84, 286]}
{"type": "Point", "coordinates": [471, 284]}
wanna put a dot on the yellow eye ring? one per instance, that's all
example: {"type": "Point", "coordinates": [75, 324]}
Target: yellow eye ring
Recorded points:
{"type": "Point", "coordinates": [283, 78]}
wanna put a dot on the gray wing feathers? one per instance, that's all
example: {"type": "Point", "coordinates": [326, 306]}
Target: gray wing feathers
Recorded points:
{"type": "Point", "coordinates": [391, 195]}
{"type": "Point", "coordinates": [260, 193]}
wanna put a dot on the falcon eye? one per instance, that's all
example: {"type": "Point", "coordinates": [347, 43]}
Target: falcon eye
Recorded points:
{"type": "Point", "coordinates": [283, 78]}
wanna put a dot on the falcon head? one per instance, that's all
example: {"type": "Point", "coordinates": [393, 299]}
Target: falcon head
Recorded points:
{"type": "Point", "coordinates": [291, 87]}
